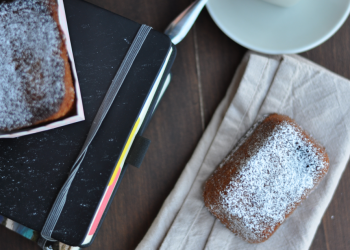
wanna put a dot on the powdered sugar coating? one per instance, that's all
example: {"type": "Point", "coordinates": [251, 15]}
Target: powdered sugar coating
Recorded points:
{"type": "Point", "coordinates": [275, 174]}
{"type": "Point", "coordinates": [31, 67]}
{"type": "Point", "coordinates": [242, 140]}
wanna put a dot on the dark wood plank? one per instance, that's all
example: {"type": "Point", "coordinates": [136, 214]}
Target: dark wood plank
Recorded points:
{"type": "Point", "coordinates": [10, 240]}
{"type": "Point", "coordinates": [174, 130]}
{"type": "Point", "coordinates": [319, 242]}
{"type": "Point", "coordinates": [205, 65]}
{"type": "Point", "coordinates": [334, 53]}
{"type": "Point", "coordinates": [155, 13]}
{"type": "Point", "coordinates": [217, 59]}
{"type": "Point", "coordinates": [334, 231]}
{"type": "Point", "coordinates": [336, 221]}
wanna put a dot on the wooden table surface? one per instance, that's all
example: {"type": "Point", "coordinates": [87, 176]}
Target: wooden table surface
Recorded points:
{"type": "Point", "coordinates": [203, 70]}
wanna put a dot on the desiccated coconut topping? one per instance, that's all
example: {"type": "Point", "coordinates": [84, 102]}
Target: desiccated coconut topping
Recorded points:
{"type": "Point", "coordinates": [31, 67]}
{"type": "Point", "coordinates": [277, 173]}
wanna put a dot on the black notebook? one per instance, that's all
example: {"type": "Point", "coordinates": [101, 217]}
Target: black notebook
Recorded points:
{"type": "Point", "coordinates": [33, 168]}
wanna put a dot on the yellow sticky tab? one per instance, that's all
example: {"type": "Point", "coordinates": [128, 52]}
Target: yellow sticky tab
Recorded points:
{"type": "Point", "coordinates": [125, 151]}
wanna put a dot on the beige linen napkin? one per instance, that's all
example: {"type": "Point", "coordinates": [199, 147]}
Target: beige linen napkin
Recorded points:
{"type": "Point", "coordinates": [317, 99]}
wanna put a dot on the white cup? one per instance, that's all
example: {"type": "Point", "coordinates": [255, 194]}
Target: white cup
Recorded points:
{"type": "Point", "coordinates": [283, 3]}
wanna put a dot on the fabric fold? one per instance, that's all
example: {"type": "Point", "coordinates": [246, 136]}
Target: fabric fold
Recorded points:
{"type": "Point", "coordinates": [316, 98]}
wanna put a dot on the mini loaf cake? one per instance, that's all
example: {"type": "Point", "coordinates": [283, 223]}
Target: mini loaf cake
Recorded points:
{"type": "Point", "coordinates": [36, 82]}
{"type": "Point", "coordinates": [263, 180]}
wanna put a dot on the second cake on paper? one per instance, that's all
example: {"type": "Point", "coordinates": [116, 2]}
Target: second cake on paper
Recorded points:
{"type": "Point", "coordinates": [36, 83]}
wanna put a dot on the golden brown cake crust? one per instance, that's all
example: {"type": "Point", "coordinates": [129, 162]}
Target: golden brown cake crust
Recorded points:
{"type": "Point", "coordinates": [69, 97]}
{"type": "Point", "coordinates": [260, 183]}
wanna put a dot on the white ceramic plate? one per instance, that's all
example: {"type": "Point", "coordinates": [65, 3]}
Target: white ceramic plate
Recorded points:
{"type": "Point", "coordinates": [270, 29]}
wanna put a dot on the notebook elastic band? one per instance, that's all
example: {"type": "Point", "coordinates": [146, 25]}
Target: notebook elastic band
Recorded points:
{"type": "Point", "coordinates": [112, 92]}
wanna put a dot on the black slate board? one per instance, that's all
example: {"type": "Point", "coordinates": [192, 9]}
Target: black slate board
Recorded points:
{"type": "Point", "coordinates": [34, 167]}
